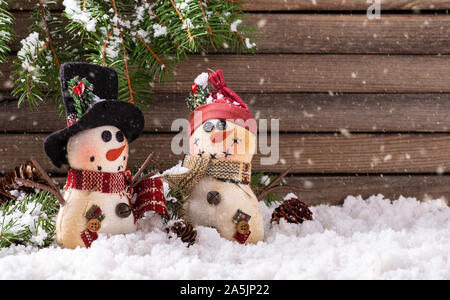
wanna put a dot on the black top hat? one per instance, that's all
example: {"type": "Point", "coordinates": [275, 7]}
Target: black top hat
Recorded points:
{"type": "Point", "coordinates": [123, 115]}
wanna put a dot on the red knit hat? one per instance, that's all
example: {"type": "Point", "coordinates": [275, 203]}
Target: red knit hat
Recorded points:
{"type": "Point", "coordinates": [225, 105]}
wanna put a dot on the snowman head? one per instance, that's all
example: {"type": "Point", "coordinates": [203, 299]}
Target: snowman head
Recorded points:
{"type": "Point", "coordinates": [224, 139]}
{"type": "Point", "coordinates": [99, 127]}
{"type": "Point", "coordinates": [220, 124]}
{"type": "Point", "coordinates": [103, 149]}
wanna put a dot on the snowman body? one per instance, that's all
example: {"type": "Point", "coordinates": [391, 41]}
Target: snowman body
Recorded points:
{"type": "Point", "coordinates": [233, 197]}
{"type": "Point", "coordinates": [101, 149]}
{"type": "Point", "coordinates": [71, 220]}
{"type": "Point", "coordinates": [229, 141]}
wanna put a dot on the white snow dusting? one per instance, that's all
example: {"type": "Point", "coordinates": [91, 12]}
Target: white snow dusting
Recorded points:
{"type": "Point", "coordinates": [202, 80]}
{"type": "Point", "coordinates": [235, 25]}
{"type": "Point", "coordinates": [73, 9]}
{"type": "Point", "coordinates": [28, 53]}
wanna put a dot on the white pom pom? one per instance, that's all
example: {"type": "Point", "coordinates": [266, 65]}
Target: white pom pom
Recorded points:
{"type": "Point", "coordinates": [202, 80]}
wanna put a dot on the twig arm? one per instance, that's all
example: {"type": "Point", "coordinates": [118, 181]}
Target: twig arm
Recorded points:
{"type": "Point", "coordinates": [272, 187]}
{"type": "Point", "coordinates": [280, 188]}
{"type": "Point", "coordinates": [54, 190]}
{"type": "Point", "coordinates": [36, 185]}
{"type": "Point", "coordinates": [143, 167]}
{"type": "Point", "coordinates": [135, 183]}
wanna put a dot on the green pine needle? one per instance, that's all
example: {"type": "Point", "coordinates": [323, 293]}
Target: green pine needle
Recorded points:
{"type": "Point", "coordinates": [29, 221]}
{"type": "Point", "coordinates": [6, 32]}
{"type": "Point", "coordinates": [258, 184]}
{"type": "Point", "coordinates": [142, 40]}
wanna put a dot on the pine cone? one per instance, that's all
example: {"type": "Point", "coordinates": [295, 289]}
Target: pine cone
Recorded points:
{"type": "Point", "coordinates": [11, 180]}
{"type": "Point", "coordinates": [293, 210]}
{"type": "Point", "coordinates": [185, 231]}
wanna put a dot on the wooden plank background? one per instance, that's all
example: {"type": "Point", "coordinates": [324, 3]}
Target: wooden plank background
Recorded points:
{"type": "Point", "coordinates": [364, 105]}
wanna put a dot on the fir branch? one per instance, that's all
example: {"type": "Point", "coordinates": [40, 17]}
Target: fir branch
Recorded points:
{"type": "Point", "coordinates": [30, 221]}
{"type": "Point", "coordinates": [127, 73]}
{"type": "Point", "coordinates": [141, 40]}
{"type": "Point", "coordinates": [206, 19]}
{"type": "Point", "coordinates": [104, 46]}
{"type": "Point", "coordinates": [190, 37]}
{"type": "Point", "coordinates": [47, 33]}
{"type": "Point", "coordinates": [6, 32]}
{"type": "Point", "coordinates": [151, 51]}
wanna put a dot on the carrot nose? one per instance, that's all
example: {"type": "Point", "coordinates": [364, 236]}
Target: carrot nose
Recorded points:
{"type": "Point", "coordinates": [114, 154]}
{"type": "Point", "coordinates": [219, 136]}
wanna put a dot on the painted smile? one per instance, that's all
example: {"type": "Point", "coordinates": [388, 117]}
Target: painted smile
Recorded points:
{"type": "Point", "coordinates": [114, 154]}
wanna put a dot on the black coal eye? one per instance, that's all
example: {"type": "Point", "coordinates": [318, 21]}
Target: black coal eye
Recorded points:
{"type": "Point", "coordinates": [106, 136]}
{"type": "Point", "coordinates": [119, 136]}
{"type": "Point", "coordinates": [208, 126]}
{"type": "Point", "coordinates": [221, 125]}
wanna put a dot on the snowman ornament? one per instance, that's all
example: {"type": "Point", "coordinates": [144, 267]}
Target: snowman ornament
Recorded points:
{"type": "Point", "coordinates": [222, 140]}
{"type": "Point", "coordinates": [95, 145]}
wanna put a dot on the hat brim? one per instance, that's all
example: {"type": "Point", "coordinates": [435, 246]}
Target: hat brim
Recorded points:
{"type": "Point", "coordinates": [123, 115]}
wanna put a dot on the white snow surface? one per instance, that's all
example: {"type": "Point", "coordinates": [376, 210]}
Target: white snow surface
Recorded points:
{"type": "Point", "coordinates": [362, 239]}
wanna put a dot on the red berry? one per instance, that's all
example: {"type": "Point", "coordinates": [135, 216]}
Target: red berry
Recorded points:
{"type": "Point", "coordinates": [194, 88]}
{"type": "Point", "coordinates": [79, 88]}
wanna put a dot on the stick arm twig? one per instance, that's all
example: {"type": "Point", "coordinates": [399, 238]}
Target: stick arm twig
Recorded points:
{"type": "Point", "coordinates": [272, 186]}
{"type": "Point", "coordinates": [36, 185]}
{"type": "Point", "coordinates": [142, 168]}
{"type": "Point", "coordinates": [53, 189]}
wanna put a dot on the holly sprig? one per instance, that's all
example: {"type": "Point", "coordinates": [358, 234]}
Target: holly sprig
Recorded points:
{"type": "Point", "coordinates": [197, 97]}
{"type": "Point", "coordinates": [82, 94]}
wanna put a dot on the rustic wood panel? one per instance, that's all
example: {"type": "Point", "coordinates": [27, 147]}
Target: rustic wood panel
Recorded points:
{"type": "Point", "coordinates": [263, 5]}
{"type": "Point", "coordinates": [395, 34]}
{"type": "Point", "coordinates": [309, 153]}
{"type": "Point", "coordinates": [305, 33]}
{"type": "Point", "coordinates": [332, 190]}
{"type": "Point", "coordinates": [320, 73]}
{"type": "Point", "coordinates": [296, 112]}
{"type": "Point", "coordinates": [309, 73]}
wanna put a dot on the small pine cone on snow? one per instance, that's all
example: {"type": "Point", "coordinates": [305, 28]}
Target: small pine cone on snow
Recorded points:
{"type": "Point", "coordinates": [11, 181]}
{"type": "Point", "coordinates": [293, 210]}
{"type": "Point", "coordinates": [185, 231]}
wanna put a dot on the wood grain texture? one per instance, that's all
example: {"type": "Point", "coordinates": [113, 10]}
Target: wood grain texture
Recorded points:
{"type": "Point", "coordinates": [264, 5]}
{"type": "Point", "coordinates": [333, 34]}
{"type": "Point", "coordinates": [296, 112]}
{"type": "Point", "coordinates": [353, 34]}
{"type": "Point", "coordinates": [308, 73]}
{"type": "Point", "coordinates": [308, 153]}
{"type": "Point", "coordinates": [357, 5]}
{"type": "Point", "coordinates": [333, 190]}
{"type": "Point", "coordinates": [320, 73]}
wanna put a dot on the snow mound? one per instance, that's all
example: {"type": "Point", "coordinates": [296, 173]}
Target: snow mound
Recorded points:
{"type": "Point", "coordinates": [362, 239]}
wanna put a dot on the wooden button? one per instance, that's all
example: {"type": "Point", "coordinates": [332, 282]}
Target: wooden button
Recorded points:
{"type": "Point", "coordinates": [94, 225]}
{"type": "Point", "coordinates": [243, 227]}
{"type": "Point", "coordinates": [213, 198]}
{"type": "Point", "coordinates": [123, 210]}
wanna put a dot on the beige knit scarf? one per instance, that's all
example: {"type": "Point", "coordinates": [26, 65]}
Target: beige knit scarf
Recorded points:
{"type": "Point", "coordinates": [221, 169]}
